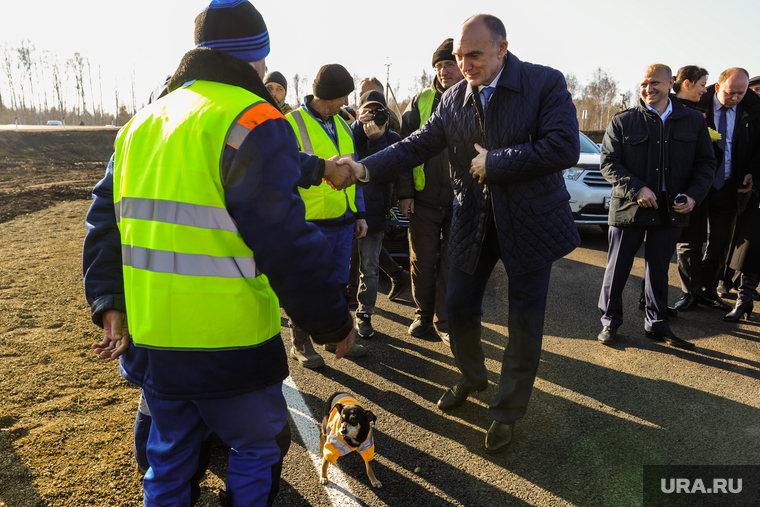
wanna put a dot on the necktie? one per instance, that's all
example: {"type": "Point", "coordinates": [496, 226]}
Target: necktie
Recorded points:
{"type": "Point", "coordinates": [485, 93]}
{"type": "Point", "coordinates": [720, 176]}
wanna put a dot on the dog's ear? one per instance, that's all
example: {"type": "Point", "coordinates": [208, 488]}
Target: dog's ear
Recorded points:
{"type": "Point", "coordinates": [339, 407]}
{"type": "Point", "coordinates": [370, 416]}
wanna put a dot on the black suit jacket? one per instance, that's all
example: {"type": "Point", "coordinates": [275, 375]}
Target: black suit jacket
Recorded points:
{"type": "Point", "coordinates": [745, 147]}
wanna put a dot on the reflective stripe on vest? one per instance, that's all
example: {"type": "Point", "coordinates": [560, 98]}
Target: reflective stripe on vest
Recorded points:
{"type": "Point", "coordinates": [425, 106]}
{"type": "Point", "coordinates": [322, 202]}
{"type": "Point", "coordinates": [190, 280]}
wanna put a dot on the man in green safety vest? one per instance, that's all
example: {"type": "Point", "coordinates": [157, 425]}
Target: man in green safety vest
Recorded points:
{"type": "Point", "coordinates": [426, 199]}
{"type": "Point", "coordinates": [339, 214]}
{"type": "Point", "coordinates": [197, 235]}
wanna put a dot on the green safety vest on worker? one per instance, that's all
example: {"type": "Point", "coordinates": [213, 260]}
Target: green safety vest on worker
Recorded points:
{"type": "Point", "coordinates": [425, 106]}
{"type": "Point", "coordinates": [190, 280]}
{"type": "Point", "coordinates": [322, 202]}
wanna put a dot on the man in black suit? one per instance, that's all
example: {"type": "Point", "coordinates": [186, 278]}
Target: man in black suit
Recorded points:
{"type": "Point", "coordinates": [723, 109]}
{"type": "Point", "coordinates": [658, 158]}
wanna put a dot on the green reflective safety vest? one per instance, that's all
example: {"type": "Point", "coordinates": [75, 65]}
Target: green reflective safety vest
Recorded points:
{"type": "Point", "coordinates": [190, 281]}
{"type": "Point", "coordinates": [425, 106]}
{"type": "Point", "coordinates": [322, 202]}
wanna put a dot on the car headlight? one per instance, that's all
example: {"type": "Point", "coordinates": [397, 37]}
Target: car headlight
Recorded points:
{"type": "Point", "coordinates": [572, 174]}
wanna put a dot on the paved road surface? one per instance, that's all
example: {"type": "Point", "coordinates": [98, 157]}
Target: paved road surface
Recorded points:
{"type": "Point", "coordinates": [596, 416]}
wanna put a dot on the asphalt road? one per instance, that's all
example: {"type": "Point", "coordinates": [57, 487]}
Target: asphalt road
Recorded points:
{"type": "Point", "coordinates": [597, 413]}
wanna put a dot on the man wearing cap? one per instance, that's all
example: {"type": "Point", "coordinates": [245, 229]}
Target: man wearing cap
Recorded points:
{"type": "Point", "coordinates": [339, 214]}
{"type": "Point", "coordinates": [196, 240]}
{"type": "Point", "coordinates": [510, 128]}
{"type": "Point", "coordinates": [754, 85]}
{"type": "Point", "coordinates": [371, 134]}
{"type": "Point", "coordinates": [426, 199]}
{"type": "Point", "coordinates": [278, 88]}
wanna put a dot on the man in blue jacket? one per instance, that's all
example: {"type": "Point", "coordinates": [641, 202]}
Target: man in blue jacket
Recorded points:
{"type": "Point", "coordinates": [507, 153]}
{"type": "Point", "coordinates": [237, 234]}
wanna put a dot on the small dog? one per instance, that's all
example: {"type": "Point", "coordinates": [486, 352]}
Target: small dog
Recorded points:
{"type": "Point", "coordinates": [346, 427]}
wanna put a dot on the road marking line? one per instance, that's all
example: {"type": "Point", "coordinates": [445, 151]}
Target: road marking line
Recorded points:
{"type": "Point", "coordinates": [338, 489]}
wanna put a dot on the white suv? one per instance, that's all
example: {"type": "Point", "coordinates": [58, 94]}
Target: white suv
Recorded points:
{"type": "Point", "coordinates": [589, 191]}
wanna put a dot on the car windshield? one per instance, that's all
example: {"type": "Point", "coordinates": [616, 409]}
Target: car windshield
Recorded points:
{"type": "Point", "coordinates": [587, 145]}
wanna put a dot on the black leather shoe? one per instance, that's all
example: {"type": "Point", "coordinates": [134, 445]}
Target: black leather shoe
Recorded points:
{"type": "Point", "coordinates": [713, 300]}
{"type": "Point", "coordinates": [421, 326]}
{"type": "Point", "coordinates": [498, 438]}
{"type": "Point", "coordinates": [669, 338]}
{"type": "Point", "coordinates": [457, 395]}
{"type": "Point", "coordinates": [607, 336]}
{"type": "Point", "coordinates": [739, 310]}
{"type": "Point", "coordinates": [686, 303]}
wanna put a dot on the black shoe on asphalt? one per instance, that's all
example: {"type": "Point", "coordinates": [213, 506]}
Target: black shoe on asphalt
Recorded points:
{"type": "Point", "coordinates": [607, 336]}
{"type": "Point", "coordinates": [713, 300]}
{"type": "Point", "coordinates": [498, 438]}
{"type": "Point", "coordinates": [421, 326]}
{"type": "Point", "coordinates": [364, 326]}
{"type": "Point", "coordinates": [457, 395]}
{"type": "Point", "coordinates": [669, 338]}
{"type": "Point", "coordinates": [687, 302]}
{"type": "Point", "coordinates": [399, 284]}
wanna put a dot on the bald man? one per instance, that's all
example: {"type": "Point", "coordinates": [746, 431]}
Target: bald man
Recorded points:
{"type": "Point", "coordinates": [658, 158]}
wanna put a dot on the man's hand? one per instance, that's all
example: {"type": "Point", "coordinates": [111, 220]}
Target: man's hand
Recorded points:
{"type": "Point", "coordinates": [338, 176]}
{"type": "Point", "coordinates": [359, 171]}
{"type": "Point", "coordinates": [360, 228]}
{"type": "Point", "coordinates": [406, 206]}
{"type": "Point", "coordinates": [478, 164]}
{"type": "Point", "coordinates": [746, 185]}
{"type": "Point", "coordinates": [346, 344]}
{"type": "Point", "coordinates": [116, 340]}
{"type": "Point", "coordinates": [646, 198]}
{"type": "Point", "coordinates": [686, 207]}
{"type": "Point", "coordinates": [372, 130]}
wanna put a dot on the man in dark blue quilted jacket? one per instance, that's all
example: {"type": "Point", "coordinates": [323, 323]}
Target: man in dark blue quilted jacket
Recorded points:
{"type": "Point", "coordinates": [510, 128]}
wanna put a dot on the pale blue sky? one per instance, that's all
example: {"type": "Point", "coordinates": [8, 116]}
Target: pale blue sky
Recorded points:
{"type": "Point", "coordinates": [572, 36]}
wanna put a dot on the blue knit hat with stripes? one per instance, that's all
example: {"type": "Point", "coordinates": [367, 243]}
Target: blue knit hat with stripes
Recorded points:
{"type": "Point", "coordinates": [235, 27]}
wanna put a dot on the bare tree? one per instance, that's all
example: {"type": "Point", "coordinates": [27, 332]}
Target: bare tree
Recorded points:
{"type": "Point", "coordinates": [100, 86]}
{"type": "Point", "coordinates": [421, 82]}
{"type": "Point", "coordinates": [77, 65]}
{"type": "Point", "coordinates": [92, 93]}
{"type": "Point", "coordinates": [116, 91]}
{"type": "Point", "coordinates": [602, 90]}
{"type": "Point", "coordinates": [299, 83]}
{"type": "Point", "coordinates": [134, 97]}
{"type": "Point", "coordinates": [572, 85]}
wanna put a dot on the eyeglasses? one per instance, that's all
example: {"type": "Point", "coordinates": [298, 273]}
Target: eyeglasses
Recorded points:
{"type": "Point", "coordinates": [444, 66]}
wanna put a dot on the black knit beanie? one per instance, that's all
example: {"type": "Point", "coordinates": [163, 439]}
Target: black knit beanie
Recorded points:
{"type": "Point", "coordinates": [333, 82]}
{"type": "Point", "coordinates": [444, 51]}
{"type": "Point", "coordinates": [276, 77]}
{"type": "Point", "coordinates": [235, 27]}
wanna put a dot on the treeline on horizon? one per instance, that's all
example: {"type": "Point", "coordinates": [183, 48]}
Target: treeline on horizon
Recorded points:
{"type": "Point", "coordinates": [37, 86]}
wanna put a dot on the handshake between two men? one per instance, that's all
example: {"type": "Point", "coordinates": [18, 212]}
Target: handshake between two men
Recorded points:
{"type": "Point", "coordinates": [342, 172]}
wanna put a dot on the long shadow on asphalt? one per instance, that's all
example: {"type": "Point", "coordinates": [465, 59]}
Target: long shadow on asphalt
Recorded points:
{"type": "Point", "coordinates": [16, 479]}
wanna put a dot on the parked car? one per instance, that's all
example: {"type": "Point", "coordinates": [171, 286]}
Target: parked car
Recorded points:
{"type": "Point", "coordinates": [590, 193]}
{"type": "Point", "coordinates": [55, 122]}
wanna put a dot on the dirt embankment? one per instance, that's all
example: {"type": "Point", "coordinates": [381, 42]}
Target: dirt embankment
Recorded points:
{"type": "Point", "coordinates": [39, 169]}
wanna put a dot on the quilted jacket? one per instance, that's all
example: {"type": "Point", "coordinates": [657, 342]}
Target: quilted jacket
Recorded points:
{"type": "Point", "coordinates": [531, 132]}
